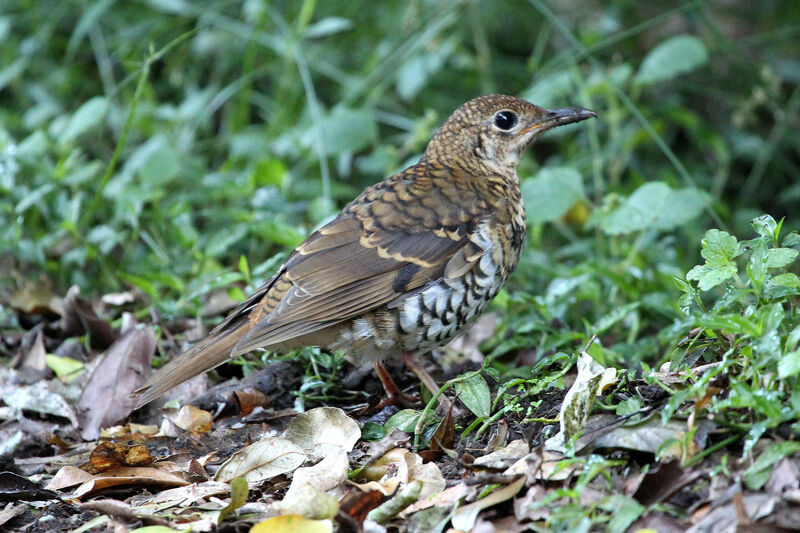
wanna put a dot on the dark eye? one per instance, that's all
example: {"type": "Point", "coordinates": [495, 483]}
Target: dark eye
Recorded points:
{"type": "Point", "coordinates": [505, 120]}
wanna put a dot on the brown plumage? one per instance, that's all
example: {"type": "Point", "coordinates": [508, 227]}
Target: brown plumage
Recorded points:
{"type": "Point", "coordinates": [408, 264]}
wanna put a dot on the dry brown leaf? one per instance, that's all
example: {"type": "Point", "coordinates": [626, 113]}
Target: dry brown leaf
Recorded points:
{"type": "Point", "coordinates": [190, 418]}
{"type": "Point", "coordinates": [139, 476]}
{"type": "Point", "coordinates": [68, 476]}
{"type": "Point", "coordinates": [79, 317]}
{"type": "Point", "coordinates": [106, 396]}
{"type": "Point", "coordinates": [358, 503]}
{"type": "Point", "coordinates": [34, 357]}
{"type": "Point", "coordinates": [108, 455]}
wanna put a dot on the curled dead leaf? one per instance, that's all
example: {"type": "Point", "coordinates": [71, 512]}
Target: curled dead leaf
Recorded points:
{"type": "Point", "coordinates": [190, 418]}
{"type": "Point", "coordinates": [108, 455]}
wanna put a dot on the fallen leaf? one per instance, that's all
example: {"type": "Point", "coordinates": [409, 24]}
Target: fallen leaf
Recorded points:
{"type": "Point", "coordinates": [36, 297]}
{"type": "Point", "coordinates": [464, 517]}
{"type": "Point", "coordinates": [138, 476]}
{"type": "Point", "coordinates": [108, 455]}
{"type": "Point", "coordinates": [79, 318]}
{"type": "Point", "coordinates": [249, 399]}
{"type": "Point", "coordinates": [11, 511]}
{"type": "Point", "coordinates": [308, 502]}
{"type": "Point", "coordinates": [504, 457]}
{"type": "Point", "coordinates": [106, 396]}
{"type": "Point", "coordinates": [40, 399]}
{"type": "Point", "coordinates": [649, 436]}
{"type": "Point", "coordinates": [68, 476]}
{"type": "Point", "coordinates": [358, 503]}
{"type": "Point", "coordinates": [36, 355]}
{"type": "Point", "coordinates": [292, 524]}
{"type": "Point", "coordinates": [528, 506]}
{"type": "Point", "coordinates": [262, 460]}
{"type": "Point", "coordinates": [179, 496]}
{"type": "Point", "coordinates": [190, 418]}
{"type": "Point", "coordinates": [323, 430]}
{"type": "Point", "coordinates": [400, 466]}
{"type": "Point", "coordinates": [447, 498]}
{"type": "Point", "coordinates": [306, 495]}
{"type": "Point", "coordinates": [14, 487]}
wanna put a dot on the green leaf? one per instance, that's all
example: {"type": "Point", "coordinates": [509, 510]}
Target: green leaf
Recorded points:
{"type": "Point", "coordinates": [328, 26]}
{"type": "Point", "coordinates": [781, 257]}
{"type": "Point", "coordinates": [371, 431]}
{"type": "Point", "coordinates": [474, 393]}
{"type": "Point", "coordinates": [551, 87]}
{"type": "Point", "coordinates": [551, 193]}
{"type": "Point", "coordinates": [244, 268]}
{"type": "Point", "coordinates": [789, 365]}
{"type": "Point", "coordinates": [161, 165]}
{"type": "Point", "coordinates": [757, 265]}
{"type": "Point", "coordinates": [765, 226]}
{"type": "Point", "coordinates": [614, 316]}
{"type": "Point", "coordinates": [758, 474]}
{"type": "Point", "coordinates": [345, 130]}
{"type": "Point", "coordinates": [239, 491]}
{"type": "Point", "coordinates": [625, 512]}
{"type": "Point", "coordinates": [793, 239]}
{"type": "Point", "coordinates": [628, 407]}
{"type": "Point", "coordinates": [655, 205]}
{"type": "Point", "coordinates": [223, 240]}
{"type": "Point", "coordinates": [719, 247]}
{"type": "Point", "coordinates": [674, 56]}
{"type": "Point", "coordinates": [65, 368]}
{"type": "Point", "coordinates": [87, 117]}
{"type": "Point", "coordinates": [270, 171]}
{"type": "Point", "coordinates": [708, 277]}
{"type": "Point", "coordinates": [787, 279]}
{"type": "Point", "coordinates": [404, 420]}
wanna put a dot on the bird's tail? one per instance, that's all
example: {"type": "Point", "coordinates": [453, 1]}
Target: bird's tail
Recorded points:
{"type": "Point", "coordinates": [205, 355]}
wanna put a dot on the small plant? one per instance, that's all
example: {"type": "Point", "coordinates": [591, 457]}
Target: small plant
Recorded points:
{"type": "Point", "coordinates": [743, 304]}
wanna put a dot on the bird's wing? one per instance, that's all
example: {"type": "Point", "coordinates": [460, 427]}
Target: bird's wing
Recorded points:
{"type": "Point", "coordinates": [373, 253]}
{"type": "Point", "coordinates": [396, 237]}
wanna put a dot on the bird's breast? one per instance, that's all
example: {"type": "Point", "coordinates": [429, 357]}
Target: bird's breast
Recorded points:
{"type": "Point", "coordinates": [443, 309]}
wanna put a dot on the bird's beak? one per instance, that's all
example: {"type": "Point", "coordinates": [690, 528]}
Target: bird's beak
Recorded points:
{"type": "Point", "coordinates": [559, 117]}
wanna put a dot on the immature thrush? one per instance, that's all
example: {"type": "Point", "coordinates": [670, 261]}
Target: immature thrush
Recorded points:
{"type": "Point", "coordinates": [407, 265]}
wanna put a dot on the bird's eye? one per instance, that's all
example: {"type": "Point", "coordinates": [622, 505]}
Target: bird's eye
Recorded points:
{"type": "Point", "coordinates": [505, 120]}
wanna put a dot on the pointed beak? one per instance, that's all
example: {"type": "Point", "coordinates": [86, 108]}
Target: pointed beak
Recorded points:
{"type": "Point", "coordinates": [558, 117]}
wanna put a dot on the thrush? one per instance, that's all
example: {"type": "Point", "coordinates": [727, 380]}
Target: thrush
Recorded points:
{"type": "Point", "coordinates": [407, 265]}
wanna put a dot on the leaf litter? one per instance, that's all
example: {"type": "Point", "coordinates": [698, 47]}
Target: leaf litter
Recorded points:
{"type": "Point", "coordinates": [247, 458]}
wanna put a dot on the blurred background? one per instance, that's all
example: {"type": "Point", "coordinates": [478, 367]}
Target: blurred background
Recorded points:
{"type": "Point", "coordinates": [169, 148]}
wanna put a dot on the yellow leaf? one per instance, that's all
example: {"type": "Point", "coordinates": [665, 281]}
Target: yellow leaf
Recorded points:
{"type": "Point", "coordinates": [292, 523]}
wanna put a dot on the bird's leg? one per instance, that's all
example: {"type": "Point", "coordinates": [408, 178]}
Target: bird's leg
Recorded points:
{"type": "Point", "coordinates": [413, 364]}
{"type": "Point", "coordinates": [394, 396]}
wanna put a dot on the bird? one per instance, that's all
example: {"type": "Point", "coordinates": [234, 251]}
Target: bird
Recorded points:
{"type": "Point", "coordinates": [407, 265]}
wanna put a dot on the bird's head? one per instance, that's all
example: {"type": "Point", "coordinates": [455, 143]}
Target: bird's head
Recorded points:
{"type": "Point", "coordinates": [492, 132]}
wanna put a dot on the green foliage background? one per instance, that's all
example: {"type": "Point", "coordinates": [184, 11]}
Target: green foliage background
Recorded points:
{"type": "Point", "coordinates": [151, 145]}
